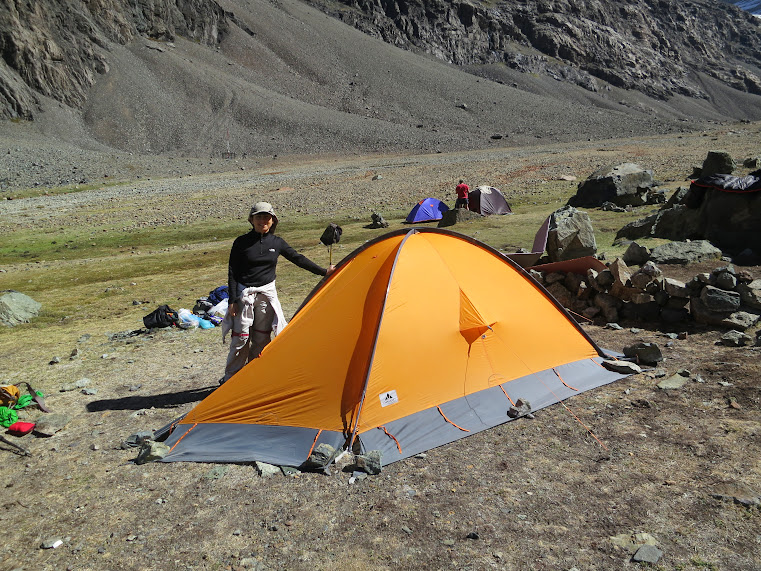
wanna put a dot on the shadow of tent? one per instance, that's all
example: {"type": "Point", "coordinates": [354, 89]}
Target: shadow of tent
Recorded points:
{"type": "Point", "coordinates": [528, 259]}
{"type": "Point", "coordinates": [165, 400]}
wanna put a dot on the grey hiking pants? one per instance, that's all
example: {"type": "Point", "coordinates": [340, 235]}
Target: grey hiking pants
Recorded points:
{"type": "Point", "coordinates": [245, 347]}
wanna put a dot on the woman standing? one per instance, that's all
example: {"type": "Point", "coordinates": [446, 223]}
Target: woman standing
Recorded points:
{"type": "Point", "coordinates": [254, 309]}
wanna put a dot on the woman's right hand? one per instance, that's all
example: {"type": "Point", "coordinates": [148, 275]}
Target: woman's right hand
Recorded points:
{"type": "Point", "coordinates": [232, 308]}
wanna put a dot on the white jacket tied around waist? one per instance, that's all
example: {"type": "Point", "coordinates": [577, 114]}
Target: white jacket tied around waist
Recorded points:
{"type": "Point", "coordinates": [242, 322]}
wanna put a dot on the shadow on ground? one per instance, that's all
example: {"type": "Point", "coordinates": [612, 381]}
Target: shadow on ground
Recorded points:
{"type": "Point", "coordinates": [165, 400]}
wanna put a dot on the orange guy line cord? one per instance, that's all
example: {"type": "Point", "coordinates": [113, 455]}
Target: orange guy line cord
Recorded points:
{"type": "Point", "coordinates": [392, 437]}
{"type": "Point", "coordinates": [449, 421]}
{"type": "Point", "coordinates": [183, 436]}
{"type": "Point", "coordinates": [314, 443]}
{"type": "Point", "coordinates": [571, 412]}
{"type": "Point", "coordinates": [562, 381]}
{"type": "Point", "coordinates": [578, 315]}
{"type": "Point", "coordinates": [584, 425]}
{"type": "Point", "coordinates": [507, 395]}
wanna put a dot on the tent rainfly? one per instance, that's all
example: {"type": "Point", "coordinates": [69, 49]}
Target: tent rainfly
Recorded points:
{"type": "Point", "coordinates": [488, 200]}
{"type": "Point", "coordinates": [427, 210]}
{"type": "Point", "coordinates": [421, 337]}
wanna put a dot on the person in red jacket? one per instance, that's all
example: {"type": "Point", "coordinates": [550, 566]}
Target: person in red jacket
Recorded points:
{"type": "Point", "coordinates": [462, 190]}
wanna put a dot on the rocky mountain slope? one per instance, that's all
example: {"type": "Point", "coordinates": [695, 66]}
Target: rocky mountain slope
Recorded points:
{"type": "Point", "coordinates": [657, 47]}
{"type": "Point", "coordinates": [204, 78]}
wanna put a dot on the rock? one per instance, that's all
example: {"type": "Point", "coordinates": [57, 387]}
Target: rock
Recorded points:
{"type": "Point", "coordinates": [369, 463]}
{"type": "Point", "coordinates": [266, 470]}
{"type": "Point", "coordinates": [747, 257]}
{"type": "Point", "coordinates": [677, 223]}
{"type": "Point", "coordinates": [137, 439]}
{"type": "Point", "coordinates": [641, 280]}
{"type": "Point", "coordinates": [320, 458]}
{"type": "Point", "coordinates": [647, 554]}
{"type": "Point", "coordinates": [561, 293]}
{"type": "Point", "coordinates": [684, 252]}
{"type": "Point", "coordinates": [609, 305]}
{"type": "Point", "coordinates": [49, 424]}
{"type": "Point", "coordinates": [645, 353]}
{"type": "Point", "coordinates": [730, 219]}
{"type": "Point", "coordinates": [624, 367]}
{"type": "Point", "coordinates": [674, 382]}
{"type": "Point", "coordinates": [750, 294]}
{"type": "Point", "coordinates": [726, 280]}
{"type": "Point", "coordinates": [717, 162]}
{"type": "Point", "coordinates": [675, 288]}
{"type": "Point", "coordinates": [641, 228]}
{"type": "Point", "coordinates": [720, 300]}
{"type": "Point", "coordinates": [623, 184]}
{"type": "Point", "coordinates": [632, 542]}
{"type": "Point", "coordinates": [216, 473]}
{"type": "Point", "coordinates": [738, 493]}
{"type": "Point", "coordinates": [670, 315]}
{"type": "Point", "coordinates": [16, 308]}
{"type": "Point", "coordinates": [151, 451]}
{"type": "Point", "coordinates": [570, 235]}
{"type": "Point", "coordinates": [735, 339]}
{"type": "Point", "coordinates": [377, 220]}
{"type": "Point", "coordinates": [519, 409]}
{"type": "Point", "coordinates": [740, 320]}
{"type": "Point", "coordinates": [636, 255]}
{"type": "Point", "coordinates": [456, 215]}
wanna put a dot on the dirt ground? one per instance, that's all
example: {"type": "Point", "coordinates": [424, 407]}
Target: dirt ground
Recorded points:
{"type": "Point", "coordinates": [680, 467]}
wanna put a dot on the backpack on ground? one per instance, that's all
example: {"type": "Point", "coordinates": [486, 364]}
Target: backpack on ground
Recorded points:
{"type": "Point", "coordinates": [162, 316]}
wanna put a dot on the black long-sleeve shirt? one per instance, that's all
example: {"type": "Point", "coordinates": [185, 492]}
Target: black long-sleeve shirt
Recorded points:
{"type": "Point", "coordinates": [253, 259]}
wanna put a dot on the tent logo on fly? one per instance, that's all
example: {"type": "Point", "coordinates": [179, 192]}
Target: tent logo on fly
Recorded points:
{"type": "Point", "coordinates": [389, 398]}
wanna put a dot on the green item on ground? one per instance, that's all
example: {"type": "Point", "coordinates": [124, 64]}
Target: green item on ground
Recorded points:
{"type": "Point", "coordinates": [8, 416]}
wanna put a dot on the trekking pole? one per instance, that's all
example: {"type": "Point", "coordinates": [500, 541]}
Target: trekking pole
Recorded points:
{"type": "Point", "coordinates": [21, 448]}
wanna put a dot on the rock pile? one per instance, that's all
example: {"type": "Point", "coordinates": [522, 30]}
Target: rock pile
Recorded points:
{"type": "Point", "coordinates": [724, 297]}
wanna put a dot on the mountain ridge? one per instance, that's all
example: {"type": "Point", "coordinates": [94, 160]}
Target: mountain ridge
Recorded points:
{"type": "Point", "coordinates": [200, 78]}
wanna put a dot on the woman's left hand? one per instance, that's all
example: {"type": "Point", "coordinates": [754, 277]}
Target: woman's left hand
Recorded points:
{"type": "Point", "coordinates": [331, 269]}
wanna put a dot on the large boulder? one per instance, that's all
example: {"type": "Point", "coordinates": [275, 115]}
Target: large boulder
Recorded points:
{"type": "Point", "coordinates": [624, 184]}
{"type": "Point", "coordinates": [717, 162]}
{"type": "Point", "coordinates": [15, 308]}
{"type": "Point", "coordinates": [677, 223]}
{"type": "Point", "coordinates": [684, 252]}
{"type": "Point", "coordinates": [455, 215]}
{"type": "Point", "coordinates": [570, 235]}
{"type": "Point", "coordinates": [731, 220]}
{"type": "Point", "coordinates": [638, 229]}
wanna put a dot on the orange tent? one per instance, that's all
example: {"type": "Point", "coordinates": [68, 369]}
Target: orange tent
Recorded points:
{"type": "Point", "coordinates": [421, 337]}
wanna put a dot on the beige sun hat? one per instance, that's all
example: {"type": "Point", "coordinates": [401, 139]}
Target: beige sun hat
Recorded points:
{"type": "Point", "coordinates": [263, 208]}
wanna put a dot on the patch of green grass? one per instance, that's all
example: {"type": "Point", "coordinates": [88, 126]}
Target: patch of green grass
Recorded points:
{"type": "Point", "coordinates": [76, 243]}
{"type": "Point", "coordinates": [66, 189]}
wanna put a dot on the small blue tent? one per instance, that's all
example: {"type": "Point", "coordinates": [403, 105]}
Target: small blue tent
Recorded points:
{"type": "Point", "coordinates": [427, 210]}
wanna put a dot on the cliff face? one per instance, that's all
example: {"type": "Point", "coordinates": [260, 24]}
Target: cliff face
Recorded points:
{"type": "Point", "coordinates": [57, 48]}
{"type": "Point", "coordinates": [653, 46]}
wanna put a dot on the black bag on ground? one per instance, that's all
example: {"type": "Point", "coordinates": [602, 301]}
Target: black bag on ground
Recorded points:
{"type": "Point", "coordinates": [162, 316]}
